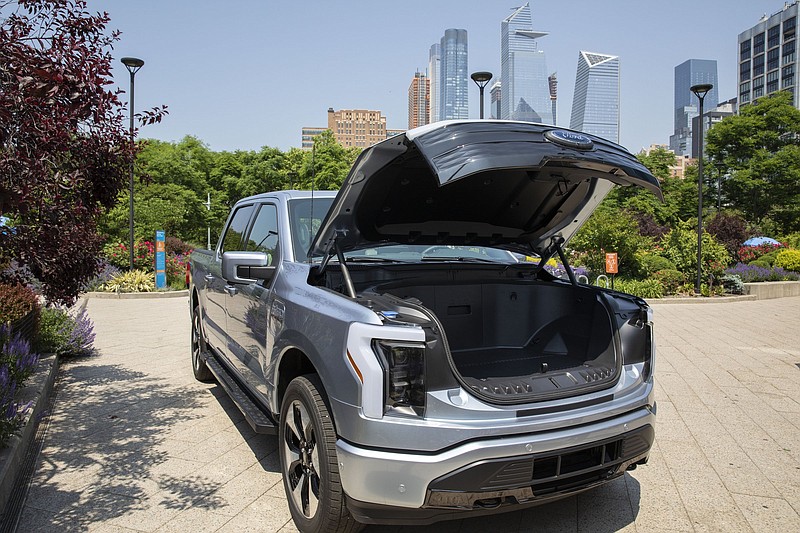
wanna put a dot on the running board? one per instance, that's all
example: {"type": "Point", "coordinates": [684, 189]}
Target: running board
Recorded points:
{"type": "Point", "coordinates": [255, 416]}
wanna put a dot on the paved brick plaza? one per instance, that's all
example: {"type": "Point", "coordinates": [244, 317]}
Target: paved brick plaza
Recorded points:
{"type": "Point", "coordinates": [136, 444]}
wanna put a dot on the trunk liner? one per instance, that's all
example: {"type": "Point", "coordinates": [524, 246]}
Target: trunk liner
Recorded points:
{"type": "Point", "coordinates": [510, 362]}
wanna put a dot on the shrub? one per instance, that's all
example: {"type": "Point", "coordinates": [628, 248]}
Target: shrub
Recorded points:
{"type": "Point", "coordinates": [176, 246]}
{"type": "Point", "coordinates": [792, 240]}
{"type": "Point", "coordinates": [769, 258]}
{"type": "Point", "coordinates": [143, 255]}
{"type": "Point", "coordinates": [680, 247]}
{"type": "Point", "coordinates": [670, 279]}
{"type": "Point", "coordinates": [761, 263]}
{"type": "Point", "coordinates": [649, 288]}
{"type": "Point", "coordinates": [131, 281]}
{"type": "Point", "coordinates": [732, 283]}
{"type": "Point", "coordinates": [748, 253]}
{"type": "Point", "coordinates": [17, 363]}
{"type": "Point", "coordinates": [609, 230]}
{"type": "Point", "coordinates": [652, 263]}
{"type": "Point", "coordinates": [64, 334]}
{"type": "Point", "coordinates": [729, 229]}
{"type": "Point", "coordinates": [16, 301]}
{"type": "Point", "coordinates": [789, 260]}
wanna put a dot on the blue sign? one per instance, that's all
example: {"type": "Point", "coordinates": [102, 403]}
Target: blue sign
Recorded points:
{"type": "Point", "coordinates": [570, 139]}
{"type": "Point", "coordinates": [161, 260]}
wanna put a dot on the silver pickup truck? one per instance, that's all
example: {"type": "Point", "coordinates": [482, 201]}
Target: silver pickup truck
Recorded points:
{"type": "Point", "coordinates": [412, 366]}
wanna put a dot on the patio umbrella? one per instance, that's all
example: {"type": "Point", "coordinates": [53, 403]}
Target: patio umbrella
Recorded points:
{"type": "Point", "coordinates": [758, 241]}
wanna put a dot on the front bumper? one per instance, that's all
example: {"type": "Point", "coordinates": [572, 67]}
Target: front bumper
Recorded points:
{"type": "Point", "coordinates": [482, 475]}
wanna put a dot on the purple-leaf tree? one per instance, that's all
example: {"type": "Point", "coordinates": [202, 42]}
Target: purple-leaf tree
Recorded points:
{"type": "Point", "coordinates": [64, 148]}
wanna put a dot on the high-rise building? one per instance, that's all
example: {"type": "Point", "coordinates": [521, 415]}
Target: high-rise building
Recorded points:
{"type": "Point", "coordinates": [526, 92]}
{"type": "Point", "coordinates": [768, 58]}
{"type": "Point", "coordinates": [454, 76]}
{"type": "Point", "coordinates": [496, 96]}
{"type": "Point", "coordinates": [595, 105]}
{"type": "Point", "coordinates": [552, 83]}
{"type": "Point", "coordinates": [434, 75]}
{"type": "Point", "coordinates": [710, 117]}
{"type": "Point", "coordinates": [687, 74]}
{"type": "Point", "coordinates": [419, 96]}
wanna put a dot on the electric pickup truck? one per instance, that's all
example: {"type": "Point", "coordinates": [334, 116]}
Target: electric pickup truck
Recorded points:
{"type": "Point", "coordinates": [411, 366]}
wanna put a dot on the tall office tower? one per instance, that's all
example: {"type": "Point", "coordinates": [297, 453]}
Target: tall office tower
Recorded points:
{"type": "Point", "coordinates": [454, 76]}
{"type": "Point", "coordinates": [595, 104]}
{"type": "Point", "coordinates": [687, 74]}
{"type": "Point", "coordinates": [552, 82]}
{"type": "Point", "coordinates": [434, 75]}
{"type": "Point", "coordinates": [496, 95]}
{"type": "Point", "coordinates": [526, 94]}
{"type": "Point", "coordinates": [768, 59]}
{"type": "Point", "coordinates": [419, 96]}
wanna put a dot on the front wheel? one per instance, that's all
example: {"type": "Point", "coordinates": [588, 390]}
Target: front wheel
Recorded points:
{"type": "Point", "coordinates": [307, 441]}
{"type": "Point", "coordinates": [199, 367]}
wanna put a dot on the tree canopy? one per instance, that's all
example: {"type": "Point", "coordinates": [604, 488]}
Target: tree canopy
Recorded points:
{"type": "Point", "coordinates": [64, 149]}
{"type": "Point", "coordinates": [759, 150]}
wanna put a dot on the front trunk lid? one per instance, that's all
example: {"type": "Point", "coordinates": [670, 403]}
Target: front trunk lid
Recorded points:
{"type": "Point", "coordinates": [512, 185]}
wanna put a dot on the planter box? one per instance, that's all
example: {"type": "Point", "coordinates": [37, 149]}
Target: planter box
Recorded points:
{"type": "Point", "coordinates": [765, 290]}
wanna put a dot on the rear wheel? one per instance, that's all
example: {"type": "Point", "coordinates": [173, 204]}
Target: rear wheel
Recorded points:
{"type": "Point", "coordinates": [307, 441]}
{"type": "Point", "coordinates": [199, 367]}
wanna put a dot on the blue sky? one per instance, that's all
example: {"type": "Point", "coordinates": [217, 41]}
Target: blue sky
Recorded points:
{"type": "Point", "coordinates": [243, 74]}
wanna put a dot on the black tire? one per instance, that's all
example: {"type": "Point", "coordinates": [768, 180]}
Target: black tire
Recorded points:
{"type": "Point", "coordinates": [307, 442]}
{"type": "Point", "coordinates": [201, 371]}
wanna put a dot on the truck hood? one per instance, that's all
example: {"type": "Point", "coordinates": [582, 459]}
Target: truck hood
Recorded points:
{"type": "Point", "coordinates": [511, 185]}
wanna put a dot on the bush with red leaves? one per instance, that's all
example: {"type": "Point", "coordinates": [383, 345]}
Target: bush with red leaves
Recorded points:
{"type": "Point", "coordinates": [64, 148]}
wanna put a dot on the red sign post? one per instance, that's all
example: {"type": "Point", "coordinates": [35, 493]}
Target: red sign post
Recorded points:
{"type": "Point", "coordinates": [612, 266]}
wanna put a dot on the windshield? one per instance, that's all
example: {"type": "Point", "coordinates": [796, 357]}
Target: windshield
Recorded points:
{"type": "Point", "coordinates": [305, 217]}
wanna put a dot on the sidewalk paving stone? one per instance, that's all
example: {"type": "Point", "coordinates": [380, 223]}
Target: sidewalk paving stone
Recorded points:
{"type": "Point", "coordinates": [136, 444]}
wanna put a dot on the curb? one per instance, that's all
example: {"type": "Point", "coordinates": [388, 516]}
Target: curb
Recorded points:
{"type": "Point", "coordinates": [703, 299]}
{"type": "Point", "coordinates": [136, 295]}
{"type": "Point", "coordinates": [12, 458]}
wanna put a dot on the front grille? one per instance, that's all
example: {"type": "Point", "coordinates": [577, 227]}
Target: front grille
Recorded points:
{"type": "Point", "coordinates": [547, 473]}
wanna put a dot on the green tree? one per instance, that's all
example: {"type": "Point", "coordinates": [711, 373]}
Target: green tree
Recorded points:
{"type": "Point", "coordinates": [759, 149]}
{"type": "Point", "coordinates": [328, 163]}
{"type": "Point", "coordinates": [170, 207]}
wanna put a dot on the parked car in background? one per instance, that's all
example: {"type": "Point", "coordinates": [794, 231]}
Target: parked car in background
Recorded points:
{"type": "Point", "coordinates": [413, 368]}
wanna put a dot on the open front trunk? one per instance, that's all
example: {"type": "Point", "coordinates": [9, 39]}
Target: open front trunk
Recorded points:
{"type": "Point", "coordinates": [516, 341]}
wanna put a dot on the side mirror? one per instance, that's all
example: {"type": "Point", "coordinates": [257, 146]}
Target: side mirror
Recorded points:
{"type": "Point", "coordinates": [247, 267]}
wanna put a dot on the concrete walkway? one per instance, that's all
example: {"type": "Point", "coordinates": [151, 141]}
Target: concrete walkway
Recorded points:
{"type": "Point", "coordinates": [136, 444]}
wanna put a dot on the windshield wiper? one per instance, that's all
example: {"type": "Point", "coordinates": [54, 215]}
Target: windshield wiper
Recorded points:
{"type": "Point", "coordinates": [372, 259]}
{"type": "Point", "coordinates": [461, 258]}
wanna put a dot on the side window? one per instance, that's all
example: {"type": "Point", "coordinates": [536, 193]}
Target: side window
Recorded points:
{"type": "Point", "coordinates": [232, 241]}
{"type": "Point", "coordinates": [264, 235]}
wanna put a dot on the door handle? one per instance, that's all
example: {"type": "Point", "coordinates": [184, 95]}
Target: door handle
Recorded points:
{"type": "Point", "coordinates": [231, 290]}
{"type": "Point", "coordinates": [209, 278]}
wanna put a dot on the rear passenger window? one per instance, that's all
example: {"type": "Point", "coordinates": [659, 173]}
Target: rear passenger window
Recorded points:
{"type": "Point", "coordinates": [232, 240]}
{"type": "Point", "coordinates": [264, 235]}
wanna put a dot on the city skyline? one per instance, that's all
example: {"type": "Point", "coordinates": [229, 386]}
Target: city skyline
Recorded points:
{"type": "Point", "coordinates": [253, 74]}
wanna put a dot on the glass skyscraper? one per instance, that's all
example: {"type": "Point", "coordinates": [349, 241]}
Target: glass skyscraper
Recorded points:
{"type": "Point", "coordinates": [453, 76]}
{"type": "Point", "coordinates": [595, 105]}
{"type": "Point", "coordinates": [524, 76]}
{"type": "Point", "coordinates": [689, 73]}
{"type": "Point", "coordinates": [434, 74]}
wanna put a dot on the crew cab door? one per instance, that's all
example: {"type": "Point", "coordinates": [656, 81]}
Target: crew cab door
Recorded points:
{"type": "Point", "coordinates": [217, 288]}
{"type": "Point", "coordinates": [248, 304]}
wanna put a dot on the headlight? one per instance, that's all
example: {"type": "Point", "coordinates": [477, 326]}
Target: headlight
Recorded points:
{"type": "Point", "coordinates": [404, 365]}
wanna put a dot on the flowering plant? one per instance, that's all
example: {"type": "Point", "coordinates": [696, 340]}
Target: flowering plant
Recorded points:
{"type": "Point", "coordinates": [753, 273]}
{"type": "Point", "coordinates": [17, 363]}
{"type": "Point", "coordinates": [749, 253]}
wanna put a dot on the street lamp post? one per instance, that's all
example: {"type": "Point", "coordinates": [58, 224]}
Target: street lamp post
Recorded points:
{"type": "Point", "coordinates": [700, 92]}
{"type": "Point", "coordinates": [207, 203]}
{"type": "Point", "coordinates": [133, 65]}
{"type": "Point", "coordinates": [481, 79]}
